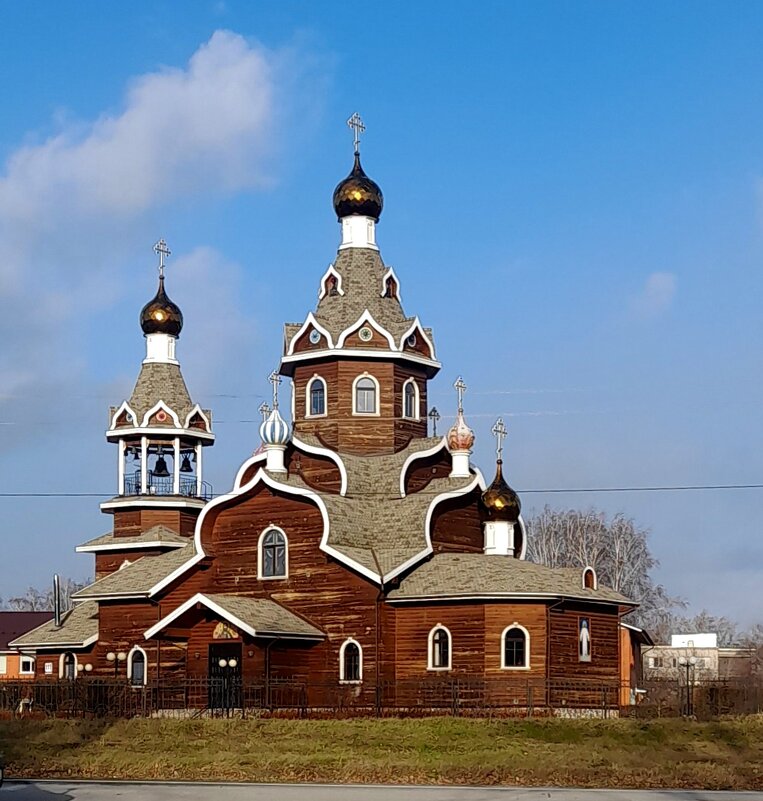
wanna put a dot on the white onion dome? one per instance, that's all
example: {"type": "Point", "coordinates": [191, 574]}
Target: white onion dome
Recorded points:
{"type": "Point", "coordinates": [274, 430]}
{"type": "Point", "coordinates": [460, 436]}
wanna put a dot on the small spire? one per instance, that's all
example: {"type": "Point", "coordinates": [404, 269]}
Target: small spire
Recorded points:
{"type": "Point", "coordinates": [460, 388]}
{"type": "Point", "coordinates": [499, 431]}
{"type": "Point", "coordinates": [275, 380]}
{"type": "Point", "coordinates": [434, 416]}
{"type": "Point", "coordinates": [264, 410]}
{"type": "Point", "coordinates": [162, 251]}
{"type": "Point", "coordinates": [357, 126]}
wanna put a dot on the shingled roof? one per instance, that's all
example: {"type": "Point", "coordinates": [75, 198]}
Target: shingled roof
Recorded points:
{"type": "Point", "coordinates": [138, 578]}
{"type": "Point", "coordinates": [156, 534]}
{"type": "Point", "coordinates": [78, 629]}
{"type": "Point", "coordinates": [448, 575]}
{"type": "Point", "coordinates": [373, 524]}
{"type": "Point", "coordinates": [362, 271]}
{"type": "Point", "coordinates": [14, 624]}
{"type": "Point", "coordinates": [159, 381]}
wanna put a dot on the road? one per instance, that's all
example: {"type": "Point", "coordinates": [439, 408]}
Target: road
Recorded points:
{"type": "Point", "coordinates": [129, 791]}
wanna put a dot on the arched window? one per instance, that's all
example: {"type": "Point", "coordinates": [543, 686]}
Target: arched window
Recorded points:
{"type": "Point", "coordinates": [351, 662]}
{"type": "Point", "coordinates": [515, 648]}
{"type": "Point", "coordinates": [439, 649]}
{"type": "Point", "coordinates": [390, 287]}
{"type": "Point", "coordinates": [136, 666]}
{"type": "Point", "coordinates": [68, 666]}
{"type": "Point", "coordinates": [365, 395]}
{"type": "Point", "coordinates": [589, 579]}
{"type": "Point", "coordinates": [411, 400]}
{"type": "Point", "coordinates": [316, 397]}
{"type": "Point", "coordinates": [273, 556]}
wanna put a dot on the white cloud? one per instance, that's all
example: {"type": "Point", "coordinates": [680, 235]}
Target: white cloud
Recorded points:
{"type": "Point", "coordinates": [657, 294]}
{"type": "Point", "coordinates": [73, 207]}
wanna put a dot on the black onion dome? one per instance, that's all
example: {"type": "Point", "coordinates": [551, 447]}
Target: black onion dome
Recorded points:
{"type": "Point", "coordinates": [500, 500]}
{"type": "Point", "coordinates": [160, 315]}
{"type": "Point", "coordinates": [358, 194]}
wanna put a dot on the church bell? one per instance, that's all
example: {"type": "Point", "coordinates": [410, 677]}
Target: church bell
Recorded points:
{"type": "Point", "coordinates": [185, 465]}
{"type": "Point", "coordinates": [160, 468]}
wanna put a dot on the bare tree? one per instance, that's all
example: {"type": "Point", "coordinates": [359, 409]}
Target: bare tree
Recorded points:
{"type": "Point", "coordinates": [616, 549]}
{"type": "Point", "coordinates": [35, 600]}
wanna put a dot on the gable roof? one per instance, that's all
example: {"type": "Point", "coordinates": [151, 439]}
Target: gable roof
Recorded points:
{"type": "Point", "coordinates": [14, 624]}
{"type": "Point", "coordinates": [258, 617]}
{"type": "Point", "coordinates": [476, 575]}
{"type": "Point", "coordinates": [78, 629]}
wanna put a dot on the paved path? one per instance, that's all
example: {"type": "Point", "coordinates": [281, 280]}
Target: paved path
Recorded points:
{"type": "Point", "coordinates": [129, 791]}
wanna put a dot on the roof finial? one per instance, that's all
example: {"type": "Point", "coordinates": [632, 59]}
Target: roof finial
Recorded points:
{"type": "Point", "coordinates": [161, 250]}
{"type": "Point", "coordinates": [357, 129]}
{"type": "Point", "coordinates": [460, 387]}
{"type": "Point", "coordinates": [264, 410]}
{"type": "Point", "coordinates": [499, 431]}
{"type": "Point", "coordinates": [275, 380]}
{"type": "Point", "coordinates": [434, 416]}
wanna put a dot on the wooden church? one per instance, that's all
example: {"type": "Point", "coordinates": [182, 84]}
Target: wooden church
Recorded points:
{"type": "Point", "coordinates": [352, 551]}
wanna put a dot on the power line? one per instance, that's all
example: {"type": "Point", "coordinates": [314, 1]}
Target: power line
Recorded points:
{"type": "Point", "coordinates": [541, 491]}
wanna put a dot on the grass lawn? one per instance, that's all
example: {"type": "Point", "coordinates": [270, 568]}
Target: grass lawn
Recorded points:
{"type": "Point", "coordinates": [726, 754]}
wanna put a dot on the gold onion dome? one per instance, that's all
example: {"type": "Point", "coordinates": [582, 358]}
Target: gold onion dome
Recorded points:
{"type": "Point", "coordinates": [358, 194]}
{"type": "Point", "coordinates": [160, 315]}
{"type": "Point", "coordinates": [500, 500]}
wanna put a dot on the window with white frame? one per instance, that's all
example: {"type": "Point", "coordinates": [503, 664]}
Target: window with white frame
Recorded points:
{"type": "Point", "coordinates": [136, 667]}
{"type": "Point", "coordinates": [439, 649]}
{"type": "Point", "coordinates": [316, 397]}
{"type": "Point", "coordinates": [365, 395]}
{"type": "Point", "coordinates": [351, 662]}
{"type": "Point", "coordinates": [3, 665]}
{"type": "Point", "coordinates": [67, 668]}
{"type": "Point", "coordinates": [26, 665]}
{"type": "Point", "coordinates": [273, 554]}
{"type": "Point", "coordinates": [515, 648]}
{"type": "Point", "coordinates": [411, 400]}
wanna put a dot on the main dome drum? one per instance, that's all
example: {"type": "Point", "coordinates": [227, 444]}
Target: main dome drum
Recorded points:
{"type": "Point", "coordinates": [358, 194]}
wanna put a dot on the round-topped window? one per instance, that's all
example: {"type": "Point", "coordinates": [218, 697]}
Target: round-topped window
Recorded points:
{"type": "Point", "coordinates": [366, 334]}
{"type": "Point", "coordinates": [411, 341]}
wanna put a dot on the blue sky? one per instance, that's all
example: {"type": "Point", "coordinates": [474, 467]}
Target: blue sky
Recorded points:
{"type": "Point", "coordinates": [574, 201]}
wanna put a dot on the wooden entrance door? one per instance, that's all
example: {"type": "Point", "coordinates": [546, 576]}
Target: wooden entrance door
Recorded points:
{"type": "Point", "coordinates": [225, 676]}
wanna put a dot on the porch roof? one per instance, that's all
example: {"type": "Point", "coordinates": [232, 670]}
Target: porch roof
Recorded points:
{"type": "Point", "coordinates": [258, 617]}
{"type": "Point", "coordinates": [78, 629]}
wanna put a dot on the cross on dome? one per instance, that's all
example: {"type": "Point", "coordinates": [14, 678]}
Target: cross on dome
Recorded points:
{"type": "Point", "coordinates": [357, 126]}
{"type": "Point", "coordinates": [162, 251]}
{"type": "Point", "coordinates": [264, 410]}
{"type": "Point", "coordinates": [499, 431]}
{"type": "Point", "coordinates": [275, 380]}
{"type": "Point", "coordinates": [434, 416]}
{"type": "Point", "coordinates": [460, 388]}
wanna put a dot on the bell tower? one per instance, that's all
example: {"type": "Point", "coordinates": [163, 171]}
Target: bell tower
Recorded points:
{"type": "Point", "coordinates": [159, 432]}
{"type": "Point", "coordinates": [359, 366]}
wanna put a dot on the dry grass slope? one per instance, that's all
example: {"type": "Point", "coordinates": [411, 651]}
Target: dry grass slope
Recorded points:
{"type": "Point", "coordinates": [614, 753]}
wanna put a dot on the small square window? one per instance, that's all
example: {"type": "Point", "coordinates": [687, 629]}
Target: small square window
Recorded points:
{"type": "Point", "coordinates": [26, 665]}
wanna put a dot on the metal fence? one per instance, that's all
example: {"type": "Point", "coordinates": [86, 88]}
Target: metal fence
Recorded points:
{"type": "Point", "coordinates": [464, 696]}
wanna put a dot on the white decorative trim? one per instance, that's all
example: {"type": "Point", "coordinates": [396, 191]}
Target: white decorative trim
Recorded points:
{"type": "Point", "coordinates": [308, 404]}
{"type": "Point", "coordinates": [342, 679]}
{"type": "Point", "coordinates": [130, 546]}
{"type": "Point", "coordinates": [166, 431]}
{"type": "Point", "coordinates": [260, 574]}
{"type": "Point", "coordinates": [503, 596]}
{"type": "Point", "coordinates": [523, 529]}
{"type": "Point", "coordinates": [391, 274]}
{"type": "Point", "coordinates": [366, 319]}
{"type": "Point", "coordinates": [125, 407]}
{"type": "Point", "coordinates": [595, 584]}
{"type": "Point", "coordinates": [377, 396]}
{"type": "Point", "coordinates": [160, 406]}
{"type": "Point", "coordinates": [330, 271]}
{"type": "Point", "coordinates": [370, 353]}
{"type": "Point", "coordinates": [416, 326]}
{"type": "Point", "coordinates": [430, 648]}
{"type": "Point", "coordinates": [200, 598]}
{"type": "Point", "coordinates": [61, 664]}
{"type": "Point", "coordinates": [521, 628]}
{"type": "Point", "coordinates": [310, 321]}
{"type": "Point", "coordinates": [442, 444]}
{"type": "Point", "coordinates": [416, 400]}
{"type": "Point", "coordinates": [48, 646]}
{"type": "Point", "coordinates": [197, 410]}
{"type": "Point", "coordinates": [130, 656]}
{"type": "Point", "coordinates": [153, 502]}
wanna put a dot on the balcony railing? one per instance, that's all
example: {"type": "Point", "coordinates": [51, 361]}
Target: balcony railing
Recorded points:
{"type": "Point", "coordinates": [164, 485]}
